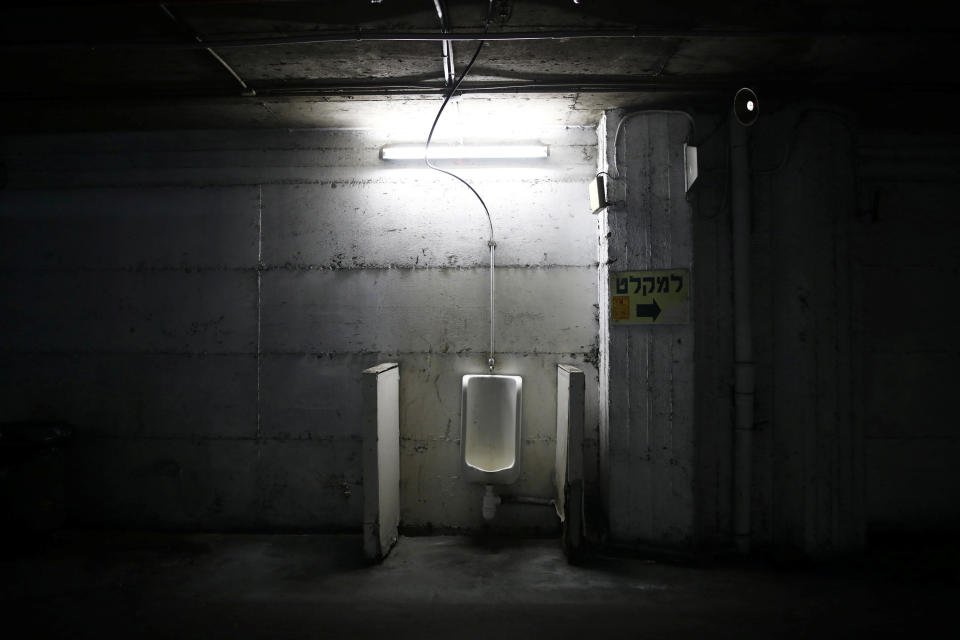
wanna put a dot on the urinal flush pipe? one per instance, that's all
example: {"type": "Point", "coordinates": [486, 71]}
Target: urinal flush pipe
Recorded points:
{"type": "Point", "coordinates": [491, 361]}
{"type": "Point", "coordinates": [426, 158]}
{"type": "Point", "coordinates": [490, 502]}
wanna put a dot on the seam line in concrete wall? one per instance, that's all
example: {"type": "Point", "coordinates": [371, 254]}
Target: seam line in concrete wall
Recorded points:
{"type": "Point", "coordinates": [255, 354]}
{"type": "Point", "coordinates": [206, 182]}
{"type": "Point", "coordinates": [373, 151]}
{"type": "Point", "coordinates": [410, 267]}
{"type": "Point", "coordinates": [237, 134]}
{"type": "Point", "coordinates": [294, 267]}
{"type": "Point", "coordinates": [369, 156]}
{"type": "Point", "coordinates": [200, 439]}
{"type": "Point", "coordinates": [530, 440]}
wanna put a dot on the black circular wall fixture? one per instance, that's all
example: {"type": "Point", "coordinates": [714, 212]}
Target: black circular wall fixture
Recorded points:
{"type": "Point", "coordinates": [746, 106]}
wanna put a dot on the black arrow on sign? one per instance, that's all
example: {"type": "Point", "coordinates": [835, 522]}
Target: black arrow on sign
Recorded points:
{"type": "Point", "coordinates": [651, 311]}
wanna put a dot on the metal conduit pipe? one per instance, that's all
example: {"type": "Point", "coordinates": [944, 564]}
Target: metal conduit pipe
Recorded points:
{"type": "Point", "coordinates": [491, 501]}
{"type": "Point", "coordinates": [649, 86]}
{"type": "Point", "coordinates": [399, 36]}
{"type": "Point", "coordinates": [699, 85]}
{"type": "Point", "coordinates": [543, 502]}
{"type": "Point", "coordinates": [743, 339]}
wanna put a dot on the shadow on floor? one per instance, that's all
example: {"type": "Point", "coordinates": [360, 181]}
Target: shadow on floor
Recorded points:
{"type": "Point", "coordinates": [110, 584]}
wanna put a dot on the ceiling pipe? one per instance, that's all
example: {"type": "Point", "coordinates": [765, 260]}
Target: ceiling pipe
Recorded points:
{"type": "Point", "coordinates": [449, 73]}
{"type": "Point", "coordinates": [699, 86]}
{"type": "Point", "coordinates": [247, 91]}
{"type": "Point", "coordinates": [329, 91]}
{"type": "Point", "coordinates": [514, 88]}
{"type": "Point", "coordinates": [644, 83]}
{"type": "Point", "coordinates": [647, 82]}
{"type": "Point", "coordinates": [360, 35]}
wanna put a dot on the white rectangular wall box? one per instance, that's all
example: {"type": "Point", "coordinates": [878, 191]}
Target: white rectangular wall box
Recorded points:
{"type": "Point", "coordinates": [691, 170]}
{"type": "Point", "coordinates": [598, 194]}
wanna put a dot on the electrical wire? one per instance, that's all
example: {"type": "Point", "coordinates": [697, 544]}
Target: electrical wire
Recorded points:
{"type": "Point", "coordinates": [426, 151]}
{"type": "Point", "coordinates": [616, 135]}
{"type": "Point", "coordinates": [491, 243]}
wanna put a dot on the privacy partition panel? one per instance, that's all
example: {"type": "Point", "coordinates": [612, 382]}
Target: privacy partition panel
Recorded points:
{"type": "Point", "coordinates": [381, 459]}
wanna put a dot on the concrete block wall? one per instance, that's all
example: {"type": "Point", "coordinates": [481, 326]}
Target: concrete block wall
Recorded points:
{"type": "Point", "coordinates": [200, 305]}
{"type": "Point", "coordinates": [906, 246]}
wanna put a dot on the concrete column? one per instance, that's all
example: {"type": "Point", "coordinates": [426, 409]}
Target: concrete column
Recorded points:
{"type": "Point", "coordinates": [647, 370]}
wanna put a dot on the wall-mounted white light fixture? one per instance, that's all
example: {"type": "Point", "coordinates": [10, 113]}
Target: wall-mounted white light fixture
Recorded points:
{"type": "Point", "coordinates": [466, 152]}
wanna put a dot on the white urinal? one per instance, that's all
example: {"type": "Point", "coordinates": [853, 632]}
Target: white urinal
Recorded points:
{"type": "Point", "coordinates": [490, 428]}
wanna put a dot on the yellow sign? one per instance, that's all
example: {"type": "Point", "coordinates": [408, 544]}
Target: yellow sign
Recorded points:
{"type": "Point", "coordinates": [650, 297]}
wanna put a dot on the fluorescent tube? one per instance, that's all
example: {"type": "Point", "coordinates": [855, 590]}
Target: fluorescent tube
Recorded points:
{"type": "Point", "coordinates": [466, 152]}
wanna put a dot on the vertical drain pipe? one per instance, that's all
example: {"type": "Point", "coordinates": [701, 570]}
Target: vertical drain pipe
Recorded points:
{"type": "Point", "coordinates": [743, 340]}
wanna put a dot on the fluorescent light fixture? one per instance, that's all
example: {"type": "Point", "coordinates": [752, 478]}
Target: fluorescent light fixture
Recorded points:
{"type": "Point", "coordinates": [466, 152]}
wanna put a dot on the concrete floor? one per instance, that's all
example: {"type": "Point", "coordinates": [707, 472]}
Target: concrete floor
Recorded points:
{"type": "Point", "coordinates": [87, 584]}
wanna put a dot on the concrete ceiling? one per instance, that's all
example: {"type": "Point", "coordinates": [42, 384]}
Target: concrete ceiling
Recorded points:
{"type": "Point", "coordinates": [86, 65]}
